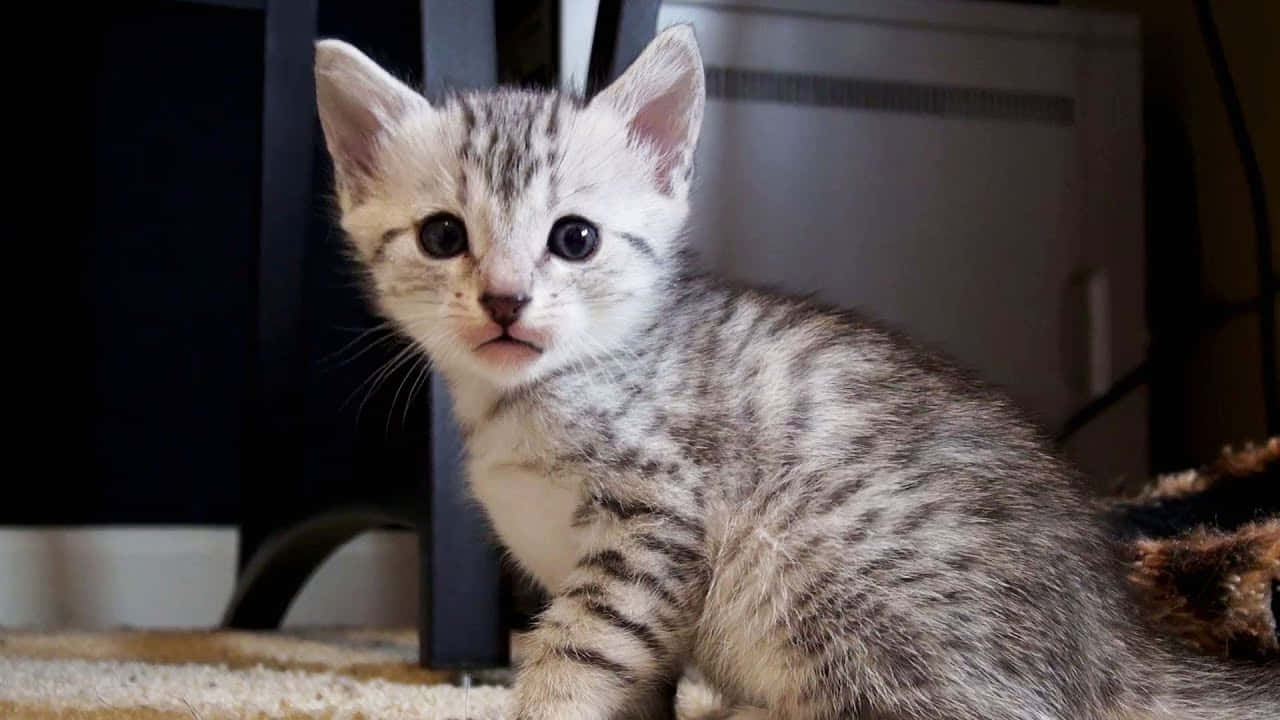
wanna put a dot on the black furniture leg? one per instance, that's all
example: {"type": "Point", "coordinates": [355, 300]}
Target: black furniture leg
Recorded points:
{"type": "Point", "coordinates": [461, 623]}
{"type": "Point", "coordinates": [623, 29]}
{"type": "Point", "coordinates": [288, 124]}
{"type": "Point", "coordinates": [464, 589]}
{"type": "Point", "coordinates": [285, 560]}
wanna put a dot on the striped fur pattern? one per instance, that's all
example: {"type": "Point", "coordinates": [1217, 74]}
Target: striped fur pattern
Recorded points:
{"type": "Point", "coordinates": [819, 517]}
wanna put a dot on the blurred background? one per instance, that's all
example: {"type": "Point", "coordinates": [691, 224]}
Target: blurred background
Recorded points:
{"type": "Point", "coordinates": [1052, 192]}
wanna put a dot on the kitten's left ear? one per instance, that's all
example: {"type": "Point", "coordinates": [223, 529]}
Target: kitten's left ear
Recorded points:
{"type": "Point", "coordinates": [662, 95]}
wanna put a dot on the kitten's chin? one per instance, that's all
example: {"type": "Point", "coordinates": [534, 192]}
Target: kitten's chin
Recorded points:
{"type": "Point", "coordinates": [508, 356]}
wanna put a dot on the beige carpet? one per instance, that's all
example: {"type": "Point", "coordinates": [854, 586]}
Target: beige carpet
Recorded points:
{"type": "Point", "coordinates": [336, 675]}
{"type": "Point", "coordinates": [220, 675]}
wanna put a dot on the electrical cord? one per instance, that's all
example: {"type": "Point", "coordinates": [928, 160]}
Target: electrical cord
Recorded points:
{"type": "Point", "coordinates": [1264, 303]}
{"type": "Point", "coordinates": [1130, 381]}
{"type": "Point", "coordinates": [1258, 204]}
{"type": "Point", "coordinates": [1215, 317]}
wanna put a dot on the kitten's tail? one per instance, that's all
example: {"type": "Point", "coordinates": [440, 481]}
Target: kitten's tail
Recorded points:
{"type": "Point", "coordinates": [1194, 688]}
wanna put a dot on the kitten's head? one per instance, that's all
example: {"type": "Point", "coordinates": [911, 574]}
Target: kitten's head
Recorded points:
{"type": "Point", "coordinates": [513, 232]}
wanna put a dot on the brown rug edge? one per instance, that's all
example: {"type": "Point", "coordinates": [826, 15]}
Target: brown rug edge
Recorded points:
{"type": "Point", "coordinates": [212, 647]}
{"type": "Point", "coordinates": [27, 711]}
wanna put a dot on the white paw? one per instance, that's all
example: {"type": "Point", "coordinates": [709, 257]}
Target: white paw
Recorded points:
{"type": "Point", "coordinates": [747, 714]}
{"type": "Point", "coordinates": [734, 714]}
{"type": "Point", "coordinates": [697, 700]}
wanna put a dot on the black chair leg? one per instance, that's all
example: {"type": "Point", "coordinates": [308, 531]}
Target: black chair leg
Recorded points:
{"type": "Point", "coordinates": [462, 618]}
{"type": "Point", "coordinates": [462, 614]}
{"type": "Point", "coordinates": [623, 29]}
{"type": "Point", "coordinates": [467, 600]}
{"type": "Point", "coordinates": [274, 449]}
{"type": "Point", "coordinates": [277, 570]}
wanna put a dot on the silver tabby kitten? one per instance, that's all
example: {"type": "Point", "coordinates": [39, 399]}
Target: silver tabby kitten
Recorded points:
{"type": "Point", "coordinates": [822, 519]}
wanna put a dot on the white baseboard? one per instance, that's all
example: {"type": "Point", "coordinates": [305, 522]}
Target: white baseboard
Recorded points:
{"type": "Point", "coordinates": [176, 577]}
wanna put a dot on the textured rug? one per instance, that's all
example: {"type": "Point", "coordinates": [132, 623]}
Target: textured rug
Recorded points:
{"type": "Point", "coordinates": [216, 675]}
{"type": "Point", "coordinates": [229, 675]}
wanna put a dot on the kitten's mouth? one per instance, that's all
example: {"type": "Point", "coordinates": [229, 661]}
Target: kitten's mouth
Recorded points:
{"type": "Point", "coordinates": [508, 352]}
{"type": "Point", "coordinates": [506, 339]}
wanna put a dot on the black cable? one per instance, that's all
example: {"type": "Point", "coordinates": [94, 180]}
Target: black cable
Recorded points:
{"type": "Point", "coordinates": [1213, 318]}
{"type": "Point", "coordinates": [1264, 304]}
{"type": "Point", "coordinates": [1257, 202]}
{"type": "Point", "coordinates": [1130, 381]}
{"type": "Point", "coordinates": [1217, 315]}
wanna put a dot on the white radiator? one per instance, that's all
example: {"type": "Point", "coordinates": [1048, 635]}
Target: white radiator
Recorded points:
{"type": "Point", "coordinates": [969, 171]}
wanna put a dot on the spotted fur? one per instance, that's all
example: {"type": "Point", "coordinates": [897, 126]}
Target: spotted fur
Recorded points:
{"type": "Point", "coordinates": [824, 519]}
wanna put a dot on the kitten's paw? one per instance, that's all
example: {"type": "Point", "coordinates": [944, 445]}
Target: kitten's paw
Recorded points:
{"type": "Point", "coordinates": [749, 714]}
{"type": "Point", "coordinates": [730, 714]}
{"type": "Point", "coordinates": [696, 699]}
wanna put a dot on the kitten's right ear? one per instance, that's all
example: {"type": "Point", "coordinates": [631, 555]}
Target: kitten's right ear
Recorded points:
{"type": "Point", "coordinates": [357, 101]}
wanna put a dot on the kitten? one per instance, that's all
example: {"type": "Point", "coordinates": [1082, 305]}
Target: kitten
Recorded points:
{"type": "Point", "coordinates": [823, 519]}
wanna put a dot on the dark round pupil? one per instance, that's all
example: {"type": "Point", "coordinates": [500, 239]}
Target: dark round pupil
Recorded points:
{"type": "Point", "coordinates": [576, 238]}
{"type": "Point", "coordinates": [573, 239]}
{"type": "Point", "coordinates": [443, 236]}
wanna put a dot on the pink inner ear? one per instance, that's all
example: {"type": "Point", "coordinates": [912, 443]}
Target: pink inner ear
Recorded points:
{"type": "Point", "coordinates": [664, 122]}
{"type": "Point", "coordinates": [357, 133]}
{"type": "Point", "coordinates": [355, 114]}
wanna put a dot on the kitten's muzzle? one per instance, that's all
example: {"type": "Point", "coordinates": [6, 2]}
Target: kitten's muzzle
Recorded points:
{"type": "Point", "coordinates": [504, 309]}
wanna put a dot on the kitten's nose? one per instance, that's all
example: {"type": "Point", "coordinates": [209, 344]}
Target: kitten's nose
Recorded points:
{"type": "Point", "coordinates": [504, 309]}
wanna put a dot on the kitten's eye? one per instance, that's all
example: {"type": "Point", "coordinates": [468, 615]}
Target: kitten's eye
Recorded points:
{"type": "Point", "coordinates": [573, 238]}
{"type": "Point", "coordinates": [443, 236]}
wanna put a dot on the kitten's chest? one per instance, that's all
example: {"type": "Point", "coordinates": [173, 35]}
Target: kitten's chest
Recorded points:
{"type": "Point", "coordinates": [530, 508]}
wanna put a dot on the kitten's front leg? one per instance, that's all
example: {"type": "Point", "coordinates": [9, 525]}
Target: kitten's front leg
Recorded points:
{"type": "Point", "coordinates": [586, 660]}
{"type": "Point", "coordinates": [613, 642]}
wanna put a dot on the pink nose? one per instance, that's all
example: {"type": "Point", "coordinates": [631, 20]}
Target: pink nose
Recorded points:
{"type": "Point", "coordinates": [504, 309]}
